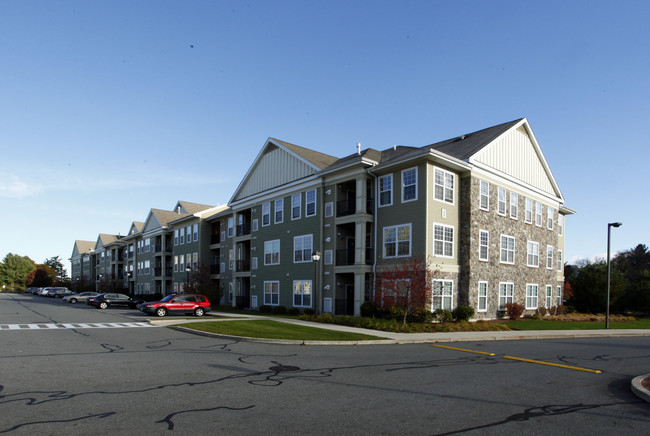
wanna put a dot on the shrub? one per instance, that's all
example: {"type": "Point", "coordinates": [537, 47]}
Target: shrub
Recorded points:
{"type": "Point", "coordinates": [561, 310]}
{"type": "Point", "coordinates": [422, 315]}
{"type": "Point", "coordinates": [463, 313]}
{"type": "Point", "coordinates": [542, 311]}
{"type": "Point", "coordinates": [294, 311]}
{"type": "Point", "coordinates": [443, 315]}
{"type": "Point", "coordinates": [266, 309]}
{"type": "Point", "coordinates": [309, 312]}
{"type": "Point", "coordinates": [514, 310]}
{"type": "Point", "coordinates": [280, 310]}
{"type": "Point", "coordinates": [368, 309]}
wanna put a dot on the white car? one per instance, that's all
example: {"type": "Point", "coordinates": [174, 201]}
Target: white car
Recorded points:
{"type": "Point", "coordinates": [83, 296]}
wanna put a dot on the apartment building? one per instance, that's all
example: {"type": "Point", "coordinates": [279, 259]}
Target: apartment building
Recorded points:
{"type": "Point", "coordinates": [308, 230]}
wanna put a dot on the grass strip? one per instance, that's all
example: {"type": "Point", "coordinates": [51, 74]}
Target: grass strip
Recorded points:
{"type": "Point", "coordinates": [276, 330]}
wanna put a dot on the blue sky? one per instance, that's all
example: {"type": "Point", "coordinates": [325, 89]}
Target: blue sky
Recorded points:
{"type": "Point", "coordinates": [111, 108]}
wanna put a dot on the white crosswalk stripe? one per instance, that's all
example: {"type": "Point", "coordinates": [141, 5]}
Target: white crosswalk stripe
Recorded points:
{"type": "Point", "coordinates": [80, 325]}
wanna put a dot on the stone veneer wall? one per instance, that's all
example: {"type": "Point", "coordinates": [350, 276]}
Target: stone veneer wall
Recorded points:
{"type": "Point", "coordinates": [493, 271]}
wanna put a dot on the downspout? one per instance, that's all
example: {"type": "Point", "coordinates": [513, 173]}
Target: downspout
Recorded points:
{"type": "Point", "coordinates": [374, 262]}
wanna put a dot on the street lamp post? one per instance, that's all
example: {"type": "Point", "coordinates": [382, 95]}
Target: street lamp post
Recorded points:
{"type": "Point", "coordinates": [609, 231]}
{"type": "Point", "coordinates": [315, 256]}
{"type": "Point", "coordinates": [187, 282]}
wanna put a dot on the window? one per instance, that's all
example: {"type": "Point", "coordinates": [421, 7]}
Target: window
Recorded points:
{"type": "Point", "coordinates": [310, 203]}
{"type": "Point", "coordinates": [443, 240]}
{"type": "Point", "coordinates": [514, 205]}
{"type": "Point", "coordinates": [386, 190]}
{"type": "Point", "coordinates": [302, 293]}
{"type": "Point", "coordinates": [549, 218]}
{"type": "Point", "coordinates": [231, 259]}
{"type": "Point", "coordinates": [231, 226]}
{"type": "Point", "coordinates": [195, 229]}
{"type": "Point", "coordinates": [272, 252]}
{"type": "Point", "coordinates": [266, 214]}
{"type": "Point", "coordinates": [397, 241]}
{"type": "Point", "coordinates": [230, 291]}
{"type": "Point", "coordinates": [272, 293]}
{"type": "Point", "coordinates": [507, 249]}
{"type": "Point", "coordinates": [529, 211]}
{"type": "Point", "coordinates": [559, 260]}
{"type": "Point", "coordinates": [538, 214]}
{"type": "Point", "coordinates": [279, 211]}
{"type": "Point", "coordinates": [188, 234]}
{"type": "Point", "coordinates": [549, 296]}
{"type": "Point", "coordinates": [188, 261]}
{"type": "Point", "coordinates": [560, 224]}
{"type": "Point", "coordinates": [483, 244]}
{"type": "Point", "coordinates": [182, 234]}
{"type": "Point", "coordinates": [484, 196]}
{"type": "Point", "coordinates": [531, 296]}
{"type": "Point", "coordinates": [482, 296]}
{"type": "Point", "coordinates": [506, 294]}
{"type": "Point", "coordinates": [195, 261]}
{"type": "Point", "coordinates": [559, 296]}
{"type": "Point", "coordinates": [443, 184]}
{"type": "Point", "coordinates": [549, 257]}
{"type": "Point", "coordinates": [328, 258]}
{"type": "Point", "coordinates": [329, 209]}
{"type": "Point", "coordinates": [256, 225]}
{"type": "Point", "coordinates": [442, 294]}
{"type": "Point", "coordinates": [410, 185]}
{"type": "Point", "coordinates": [296, 204]}
{"type": "Point", "coordinates": [501, 209]}
{"type": "Point", "coordinates": [302, 248]}
{"type": "Point", "coordinates": [147, 245]}
{"type": "Point", "coordinates": [181, 263]}
{"type": "Point", "coordinates": [532, 258]}
{"type": "Point", "coordinates": [253, 262]}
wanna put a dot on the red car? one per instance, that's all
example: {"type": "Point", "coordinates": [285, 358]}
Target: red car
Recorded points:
{"type": "Point", "coordinates": [189, 304]}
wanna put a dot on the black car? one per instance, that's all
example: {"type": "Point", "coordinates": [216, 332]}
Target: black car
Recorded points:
{"type": "Point", "coordinates": [103, 301]}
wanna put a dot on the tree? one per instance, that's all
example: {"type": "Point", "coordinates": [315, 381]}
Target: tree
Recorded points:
{"type": "Point", "coordinates": [589, 285]}
{"type": "Point", "coordinates": [405, 287]}
{"type": "Point", "coordinates": [61, 275]}
{"type": "Point", "coordinates": [14, 270]}
{"type": "Point", "coordinates": [41, 277]}
{"type": "Point", "coordinates": [202, 283]}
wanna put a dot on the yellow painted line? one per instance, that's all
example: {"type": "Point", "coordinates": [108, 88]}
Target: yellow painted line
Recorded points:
{"type": "Point", "coordinates": [462, 349]}
{"type": "Point", "coordinates": [595, 371]}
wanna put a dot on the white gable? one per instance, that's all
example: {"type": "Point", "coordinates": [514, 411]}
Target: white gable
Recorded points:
{"type": "Point", "coordinates": [151, 223]}
{"type": "Point", "coordinates": [275, 166]}
{"type": "Point", "coordinates": [517, 154]}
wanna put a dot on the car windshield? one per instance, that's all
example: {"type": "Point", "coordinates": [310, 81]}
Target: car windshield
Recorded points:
{"type": "Point", "coordinates": [167, 298]}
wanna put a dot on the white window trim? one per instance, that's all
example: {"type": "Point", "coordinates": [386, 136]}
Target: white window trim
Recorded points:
{"type": "Point", "coordinates": [480, 245]}
{"type": "Point", "coordinates": [266, 212]}
{"type": "Point", "coordinates": [379, 203]}
{"type": "Point", "coordinates": [442, 296]}
{"type": "Point", "coordinates": [329, 209]}
{"type": "Point", "coordinates": [533, 254]}
{"type": "Point", "coordinates": [272, 252]}
{"type": "Point", "coordinates": [514, 251]}
{"type": "Point", "coordinates": [505, 297]}
{"type": "Point", "coordinates": [514, 197]}
{"type": "Point", "coordinates": [502, 203]}
{"type": "Point", "coordinates": [328, 258]}
{"type": "Point", "coordinates": [307, 203]}
{"type": "Point", "coordinates": [560, 224]}
{"type": "Point", "coordinates": [270, 294]}
{"type": "Point", "coordinates": [482, 297]}
{"type": "Point", "coordinates": [528, 213]}
{"type": "Point", "coordinates": [486, 196]}
{"type": "Point", "coordinates": [550, 216]}
{"type": "Point", "coordinates": [548, 300]}
{"type": "Point", "coordinates": [278, 208]}
{"type": "Point", "coordinates": [453, 188]}
{"type": "Point", "coordinates": [415, 184]}
{"type": "Point", "coordinates": [299, 196]}
{"type": "Point", "coordinates": [534, 299]}
{"type": "Point", "coordinates": [397, 228]}
{"type": "Point", "coordinates": [559, 260]}
{"type": "Point", "coordinates": [453, 240]}
{"type": "Point", "coordinates": [539, 209]}
{"type": "Point", "coordinates": [294, 293]}
{"type": "Point", "coordinates": [311, 239]}
{"type": "Point", "coordinates": [549, 259]}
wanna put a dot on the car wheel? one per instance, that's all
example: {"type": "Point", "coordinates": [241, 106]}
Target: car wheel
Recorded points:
{"type": "Point", "coordinates": [73, 300]}
{"type": "Point", "coordinates": [57, 296]}
{"type": "Point", "coordinates": [103, 305]}
{"type": "Point", "coordinates": [199, 311]}
{"type": "Point", "coordinates": [161, 311]}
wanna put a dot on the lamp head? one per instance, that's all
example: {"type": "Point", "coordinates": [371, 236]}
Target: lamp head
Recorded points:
{"type": "Point", "coordinates": [616, 224]}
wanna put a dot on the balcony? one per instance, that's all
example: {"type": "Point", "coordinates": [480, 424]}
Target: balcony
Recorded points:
{"type": "Point", "coordinates": [345, 257]}
{"type": "Point", "coordinates": [244, 229]}
{"type": "Point", "coordinates": [215, 238]}
{"type": "Point", "coordinates": [215, 268]}
{"type": "Point", "coordinates": [349, 207]}
{"type": "Point", "coordinates": [243, 265]}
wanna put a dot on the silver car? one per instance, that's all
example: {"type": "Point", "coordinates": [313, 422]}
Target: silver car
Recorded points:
{"type": "Point", "coordinates": [83, 296]}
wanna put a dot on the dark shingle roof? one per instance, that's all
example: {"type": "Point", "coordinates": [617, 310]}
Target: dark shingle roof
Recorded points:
{"type": "Point", "coordinates": [321, 160]}
{"type": "Point", "coordinates": [464, 146]}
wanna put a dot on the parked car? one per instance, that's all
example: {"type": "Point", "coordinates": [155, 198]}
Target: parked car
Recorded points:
{"type": "Point", "coordinates": [61, 292]}
{"type": "Point", "coordinates": [43, 292]}
{"type": "Point", "coordinates": [189, 304]}
{"type": "Point", "coordinates": [104, 301]}
{"type": "Point", "coordinates": [83, 296]}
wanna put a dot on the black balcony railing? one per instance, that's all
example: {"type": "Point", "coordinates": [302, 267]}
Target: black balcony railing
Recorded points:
{"type": "Point", "coordinates": [243, 265]}
{"type": "Point", "coordinates": [244, 229]}
{"type": "Point", "coordinates": [215, 268]}
{"type": "Point", "coordinates": [215, 238]}
{"type": "Point", "coordinates": [349, 207]}
{"type": "Point", "coordinates": [346, 256]}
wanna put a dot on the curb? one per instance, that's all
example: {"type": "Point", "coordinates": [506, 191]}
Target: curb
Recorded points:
{"type": "Point", "coordinates": [638, 388]}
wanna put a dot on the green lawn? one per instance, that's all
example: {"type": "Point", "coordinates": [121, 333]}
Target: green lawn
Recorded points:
{"type": "Point", "coordinates": [531, 324]}
{"type": "Point", "coordinates": [276, 330]}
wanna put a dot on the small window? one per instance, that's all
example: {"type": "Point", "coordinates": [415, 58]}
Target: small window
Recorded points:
{"type": "Point", "coordinates": [443, 240]}
{"type": "Point", "coordinates": [531, 296]}
{"type": "Point", "coordinates": [549, 296]}
{"type": "Point", "coordinates": [302, 293]}
{"type": "Point", "coordinates": [507, 249]}
{"type": "Point", "coordinates": [279, 211]}
{"type": "Point", "coordinates": [484, 198]}
{"type": "Point", "coordinates": [560, 224]}
{"type": "Point", "coordinates": [529, 211]}
{"type": "Point", "coordinates": [302, 248]}
{"type": "Point", "coordinates": [266, 214]}
{"type": "Point", "coordinates": [272, 293]}
{"type": "Point", "coordinates": [549, 257]}
{"type": "Point", "coordinates": [328, 257]}
{"type": "Point", "coordinates": [538, 214]}
{"type": "Point", "coordinates": [550, 217]}
{"type": "Point", "coordinates": [514, 205]}
{"type": "Point", "coordinates": [329, 209]}
{"type": "Point", "coordinates": [532, 258]}
{"type": "Point", "coordinates": [296, 205]}
{"type": "Point", "coordinates": [501, 209]}
{"type": "Point", "coordinates": [410, 185]}
{"type": "Point", "coordinates": [559, 260]}
{"type": "Point", "coordinates": [386, 190]}
{"type": "Point", "coordinates": [482, 296]}
{"type": "Point", "coordinates": [506, 294]}
{"type": "Point", "coordinates": [442, 295]}
{"type": "Point", "coordinates": [195, 230]}
{"type": "Point", "coordinates": [443, 185]}
{"type": "Point", "coordinates": [483, 245]}
{"type": "Point", "coordinates": [310, 203]}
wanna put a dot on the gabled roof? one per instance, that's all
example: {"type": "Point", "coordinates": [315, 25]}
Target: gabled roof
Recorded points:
{"type": "Point", "coordinates": [105, 239]}
{"type": "Point", "coordinates": [280, 163]}
{"type": "Point", "coordinates": [82, 247]}
{"type": "Point", "coordinates": [158, 219]}
{"type": "Point", "coordinates": [187, 207]}
{"type": "Point", "coordinates": [465, 146]}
